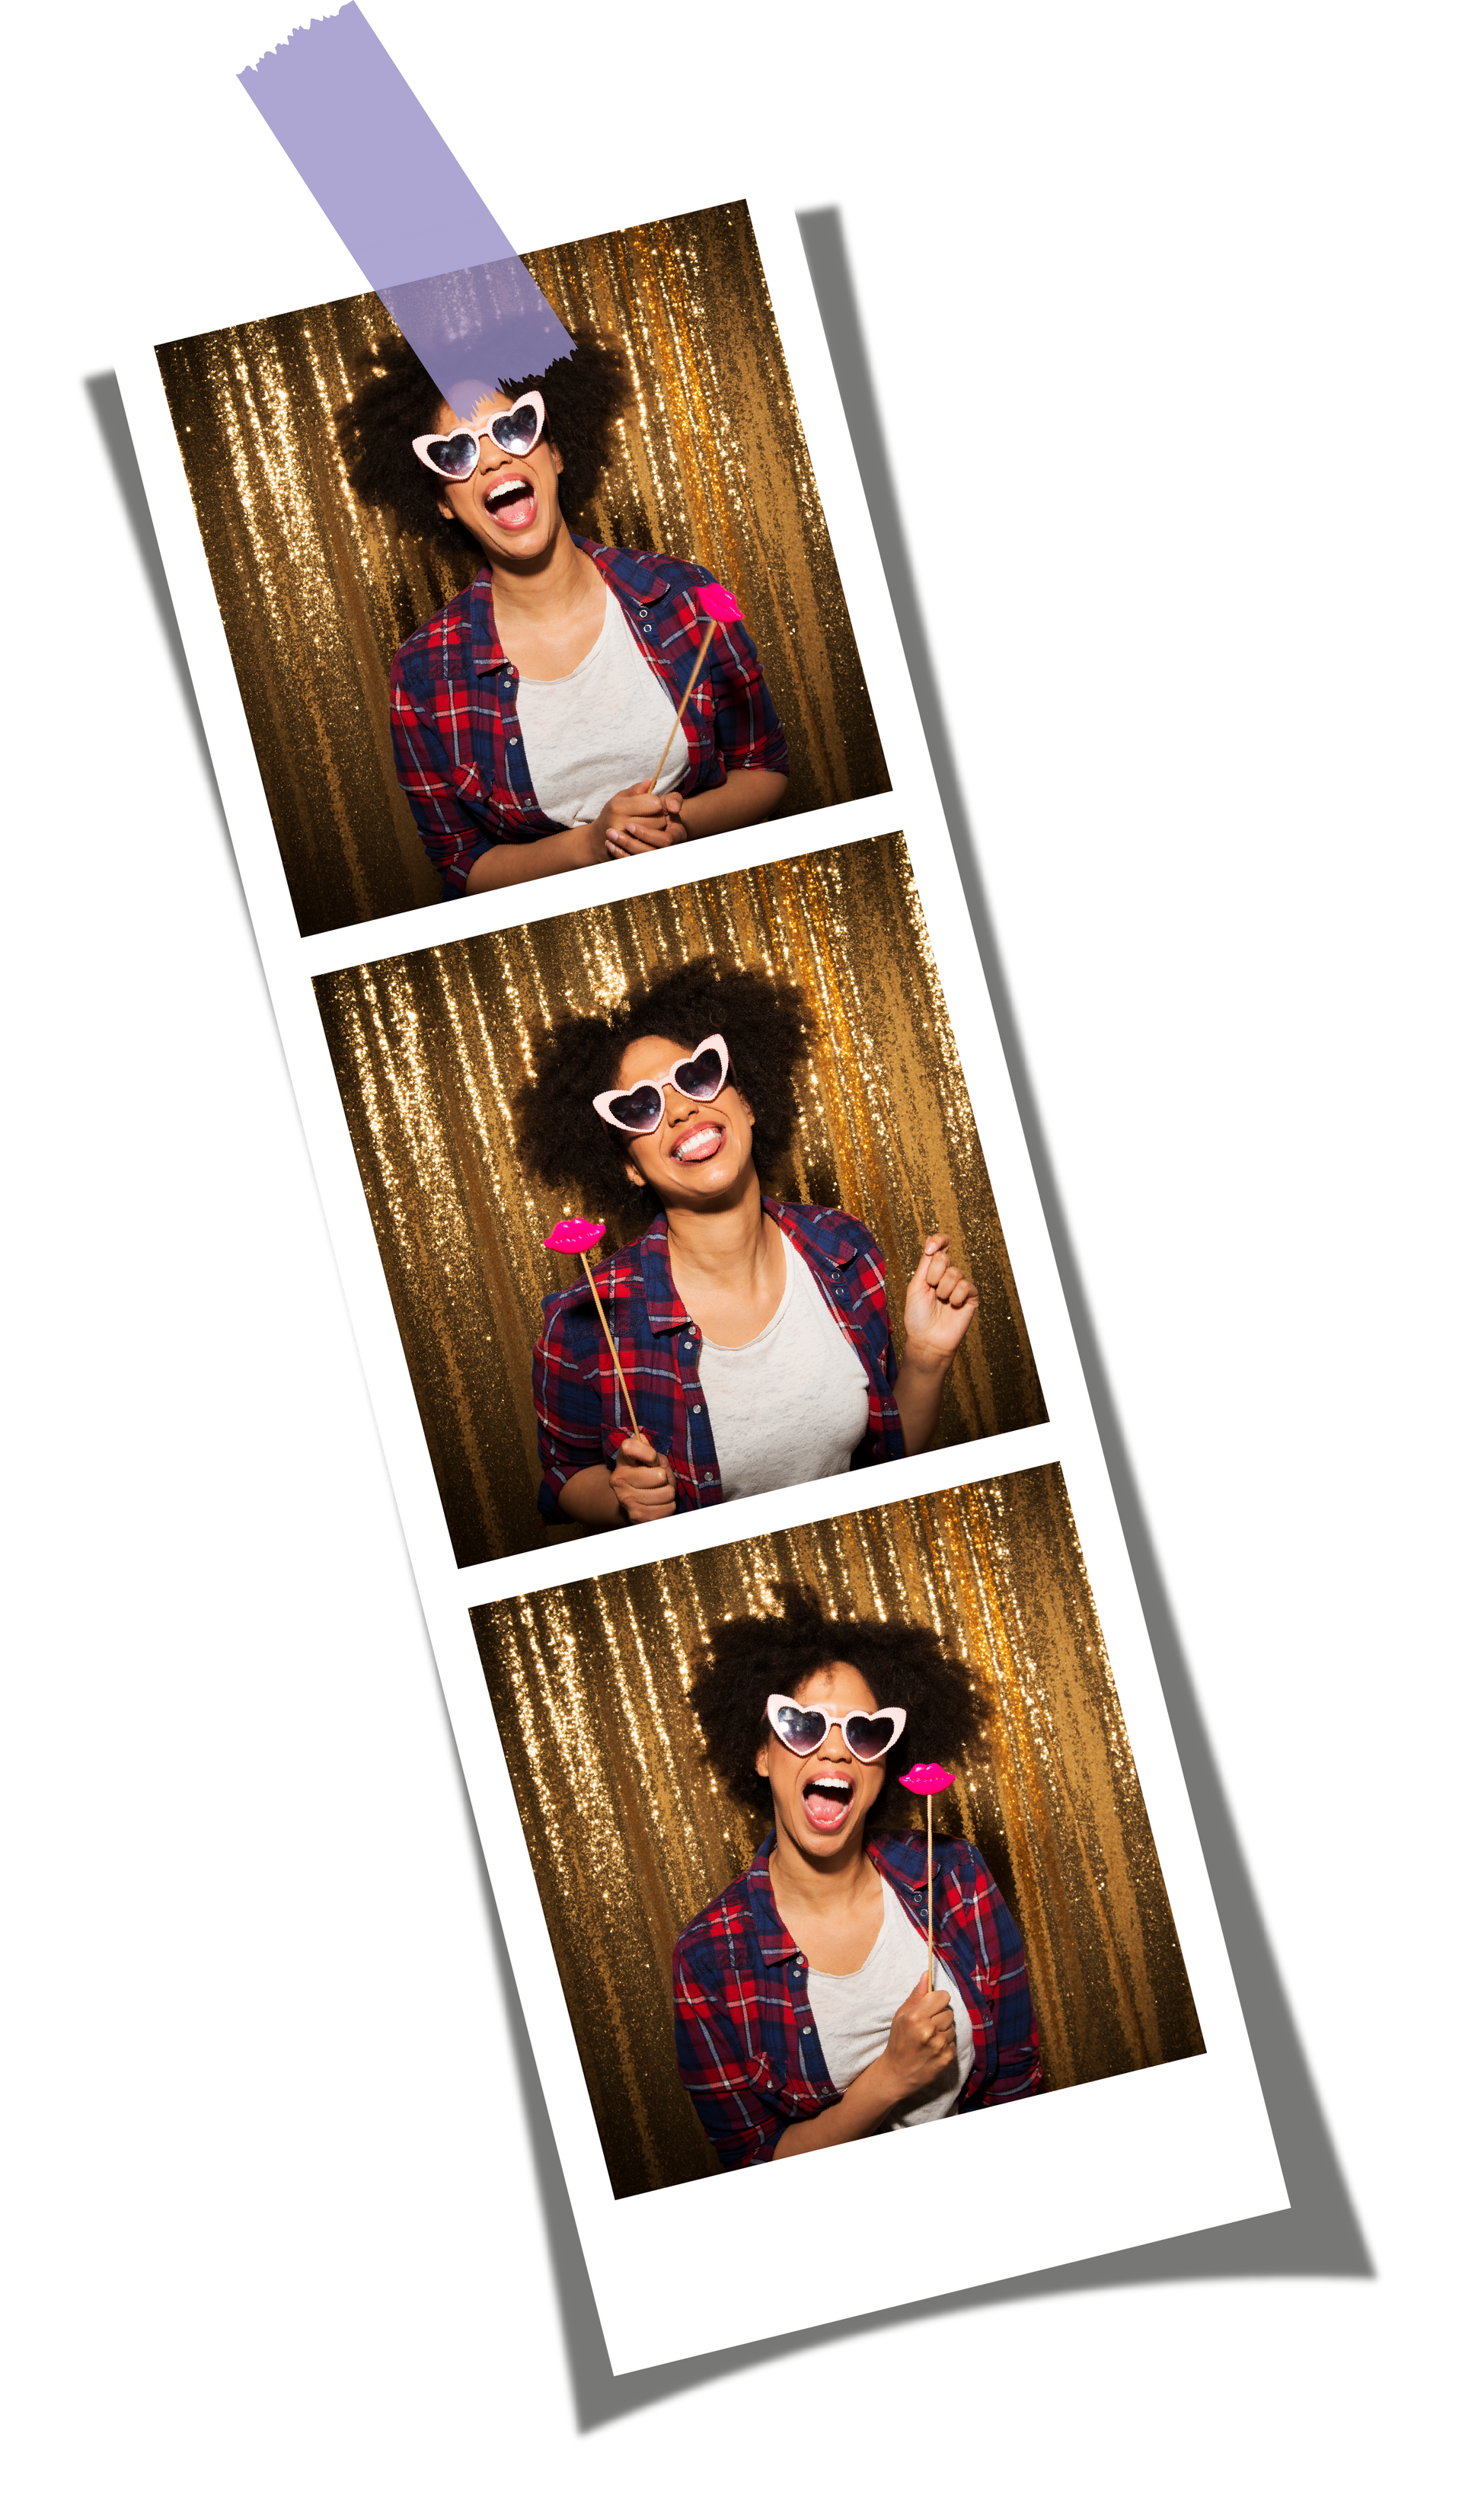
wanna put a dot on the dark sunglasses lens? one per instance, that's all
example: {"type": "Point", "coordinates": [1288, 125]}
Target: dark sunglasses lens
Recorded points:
{"type": "Point", "coordinates": [701, 1077]}
{"type": "Point", "coordinates": [455, 456]}
{"type": "Point", "coordinates": [798, 1728]}
{"type": "Point", "coordinates": [639, 1111]}
{"type": "Point", "coordinates": [516, 430]}
{"type": "Point", "coordinates": [868, 1735]}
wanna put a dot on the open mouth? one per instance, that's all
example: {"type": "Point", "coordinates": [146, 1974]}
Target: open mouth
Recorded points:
{"type": "Point", "coordinates": [827, 1801]}
{"type": "Point", "coordinates": [514, 504]}
{"type": "Point", "coordinates": [700, 1143]}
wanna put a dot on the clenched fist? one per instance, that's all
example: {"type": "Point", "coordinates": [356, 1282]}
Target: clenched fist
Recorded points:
{"type": "Point", "coordinates": [643, 1480]}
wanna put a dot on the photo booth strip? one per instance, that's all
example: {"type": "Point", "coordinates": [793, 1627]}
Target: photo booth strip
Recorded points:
{"type": "Point", "coordinates": [395, 195]}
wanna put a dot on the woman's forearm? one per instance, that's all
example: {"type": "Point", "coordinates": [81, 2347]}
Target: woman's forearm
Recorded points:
{"type": "Point", "coordinates": [916, 1399]}
{"type": "Point", "coordinates": [521, 861]}
{"type": "Point", "coordinates": [588, 1496]}
{"type": "Point", "coordinates": [865, 2103]}
{"type": "Point", "coordinates": [746, 796]}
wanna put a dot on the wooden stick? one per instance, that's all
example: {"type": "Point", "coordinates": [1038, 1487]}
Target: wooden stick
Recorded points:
{"type": "Point", "coordinates": [929, 1806]}
{"type": "Point", "coordinates": [709, 635]}
{"type": "Point", "coordinates": [613, 1350]}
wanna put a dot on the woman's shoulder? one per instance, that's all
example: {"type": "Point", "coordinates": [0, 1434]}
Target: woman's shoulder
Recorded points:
{"type": "Point", "coordinates": [825, 1225]}
{"type": "Point", "coordinates": [622, 1274]}
{"type": "Point", "coordinates": [720, 1926]}
{"type": "Point", "coordinates": [440, 644]}
{"type": "Point", "coordinates": [639, 568]}
{"type": "Point", "coordinates": [717, 1933]}
{"type": "Point", "coordinates": [904, 1852]}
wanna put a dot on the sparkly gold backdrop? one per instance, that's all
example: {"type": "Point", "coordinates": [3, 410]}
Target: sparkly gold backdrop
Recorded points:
{"type": "Point", "coordinates": [316, 594]}
{"type": "Point", "coordinates": [630, 1836]}
{"type": "Point", "coordinates": [428, 1049]}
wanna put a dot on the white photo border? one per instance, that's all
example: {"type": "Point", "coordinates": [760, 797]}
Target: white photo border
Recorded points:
{"type": "Point", "coordinates": [1105, 2167]}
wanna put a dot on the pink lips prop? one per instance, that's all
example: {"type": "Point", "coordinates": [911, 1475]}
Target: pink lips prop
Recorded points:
{"type": "Point", "coordinates": [574, 1234]}
{"type": "Point", "coordinates": [928, 1780]}
{"type": "Point", "coordinates": [719, 603]}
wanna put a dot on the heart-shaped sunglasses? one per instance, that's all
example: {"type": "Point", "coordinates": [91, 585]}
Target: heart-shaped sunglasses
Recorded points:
{"type": "Point", "coordinates": [637, 1108]}
{"type": "Point", "coordinates": [804, 1728]}
{"type": "Point", "coordinates": [515, 432]}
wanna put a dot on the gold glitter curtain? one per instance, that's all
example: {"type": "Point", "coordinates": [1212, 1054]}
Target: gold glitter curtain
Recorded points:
{"type": "Point", "coordinates": [430, 1048]}
{"type": "Point", "coordinates": [316, 594]}
{"type": "Point", "coordinates": [630, 1836]}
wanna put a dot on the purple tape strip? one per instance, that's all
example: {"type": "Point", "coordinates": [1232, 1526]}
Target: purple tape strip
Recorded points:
{"type": "Point", "coordinates": [392, 190]}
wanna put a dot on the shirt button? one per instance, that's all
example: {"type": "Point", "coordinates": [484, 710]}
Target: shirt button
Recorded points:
{"type": "Point", "coordinates": [513, 738]}
{"type": "Point", "coordinates": [696, 1411]}
{"type": "Point", "coordinates": [690, 1343]}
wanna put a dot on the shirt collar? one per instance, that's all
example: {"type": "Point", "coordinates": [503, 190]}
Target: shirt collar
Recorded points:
{"type": "Point", "coordinates": [814, 1239]}
{"type": "Point", "coordinates": [663, 1304]}
{"type": "Point", "coordinates": [776, 1943]}
{"type": "Point", "coordinates": [626, 572]}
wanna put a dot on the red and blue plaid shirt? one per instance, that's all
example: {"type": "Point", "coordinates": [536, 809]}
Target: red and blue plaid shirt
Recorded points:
{"type": "Point", "coordinates": [454, 730]}
{"type": "Point", "coordinates": [582, 1419]}
{"type": "Point", "coordinates": [745, 2039]}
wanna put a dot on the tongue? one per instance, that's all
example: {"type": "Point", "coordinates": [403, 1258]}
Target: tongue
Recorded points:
{"type": "Point", "coordinates": [515, 514]}
{"type": "Point", "coordinates": [825, 1811]}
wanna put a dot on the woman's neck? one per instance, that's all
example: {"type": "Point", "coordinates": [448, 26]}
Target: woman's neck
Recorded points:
{"type": "Point", "coordinates": [730, 1247]}
{"type": "Point", "coordinates": [527, 594]}
{"type": "Point", "coordinates": [826, 1888]}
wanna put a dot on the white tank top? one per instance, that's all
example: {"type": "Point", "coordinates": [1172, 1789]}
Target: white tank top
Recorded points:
{"type": "Point", "coordinates": [601, 728]}
{"type": "Point", "coordinates": [855, 2015]}
{"type": "Point", "coordinates": [793, 1403]}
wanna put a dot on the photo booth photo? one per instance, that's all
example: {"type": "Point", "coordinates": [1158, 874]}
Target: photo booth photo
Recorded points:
{"type": "Point", "coordinates": [696, 1746]}
{"type": "Point", "coordinates": [735, 1113]}
{"type": "Point", "coordinates": [462, 640]}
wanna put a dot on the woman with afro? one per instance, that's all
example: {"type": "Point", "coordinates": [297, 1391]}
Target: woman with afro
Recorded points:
{"type": "Point", "coordinates": [803, 2010]}
{"type": "Point", "coordinates": [753, 1336]}
{"type": "Point", "coordinates": [528, 716]}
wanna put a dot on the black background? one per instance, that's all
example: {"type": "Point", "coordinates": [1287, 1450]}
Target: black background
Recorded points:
{"type": "Point", "coordinates": [1110, 316]}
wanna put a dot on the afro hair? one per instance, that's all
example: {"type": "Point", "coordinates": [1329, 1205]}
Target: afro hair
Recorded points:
{"type": "Point", "coordinates": [751, 1659]}
{"type": "Point", "coordinates": [767, 1025]}
{"type": "Point", "coordinates": [393, 400]}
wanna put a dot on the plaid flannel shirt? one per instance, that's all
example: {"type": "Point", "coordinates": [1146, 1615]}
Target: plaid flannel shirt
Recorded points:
{"type": "Point", "coordinates": [454, 730]}
{"type": "Point", "coordinates": [745, 2039]}
{"type": "Point", "coordinates": [582, 1419]}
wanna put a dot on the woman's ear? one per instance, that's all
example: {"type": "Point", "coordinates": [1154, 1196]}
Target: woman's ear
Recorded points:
{"type": "Point", "coordinates": [746, 1106]}
{"type": "Point", "coordinates": [553, 451]}
{"type": "Point", "coordinates": [631, 1175]}
{"type": "Point", "coordinates": [760, 1759]}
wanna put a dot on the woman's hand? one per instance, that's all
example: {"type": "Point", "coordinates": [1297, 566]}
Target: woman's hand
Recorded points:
{"type": "Point", "coordinates": [939, 1307]}
{"type": "Point", "coordinates": [633, 821]}
{"type": "Point", "coordinates": [920, 2048]}
{"type": "Point", "coordinates": [922, 2040]}
{"type": "Point", "coordinates": [643, 1480]}
{"type": "Point", "coordinates": [938, 1310]}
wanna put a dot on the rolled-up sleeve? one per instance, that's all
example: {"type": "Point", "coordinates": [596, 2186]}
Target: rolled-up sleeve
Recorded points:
{"type": "Point", "coordinates": [452, 838]}
{"type": "Point", "coordinates": [1018, 2040]}
{"type": "Point", "coordinates": [566, 1401]}
{"type": "Point", "coordinates": [724, 2084]}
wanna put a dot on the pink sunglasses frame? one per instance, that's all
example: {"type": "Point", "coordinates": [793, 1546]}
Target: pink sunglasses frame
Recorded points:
{"type": "Point", "coordinates": [830, 1717]}
{"type": "Point", "coordinates": [617, 1093]}
{"type": "Point", "coordinates": [444, 437]}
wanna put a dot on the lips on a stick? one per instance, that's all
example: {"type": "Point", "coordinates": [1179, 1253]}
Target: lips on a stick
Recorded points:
{"type": "Point", "coordinates": [719, 602]}
{"type": "Point", "coordinates": [928, 1780]}
{"type": "Point", "coordinates": [579, 1234]}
